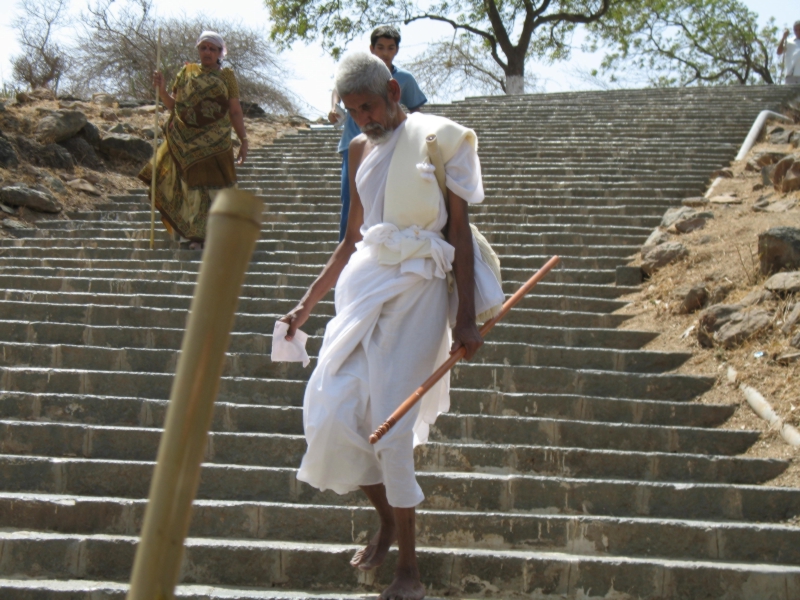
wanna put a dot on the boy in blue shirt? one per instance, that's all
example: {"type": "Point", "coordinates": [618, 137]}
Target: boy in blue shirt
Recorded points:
{"type": "Point", "coordinates": [384, 43]}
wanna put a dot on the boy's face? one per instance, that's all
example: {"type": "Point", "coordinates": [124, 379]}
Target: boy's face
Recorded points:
{"type": "Point", "coordinates": [385, 49]}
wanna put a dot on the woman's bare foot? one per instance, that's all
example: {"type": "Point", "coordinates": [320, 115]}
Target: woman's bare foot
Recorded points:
{"type": "Point", "coordinates": [373, 554]}
{"type": "Point", "coordinates": [406, 586]}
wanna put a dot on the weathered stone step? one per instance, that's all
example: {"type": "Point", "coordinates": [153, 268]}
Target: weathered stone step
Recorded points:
{"type": "Point", "coordinates": [434, 456]}
{"type": "Point", "coordinates": [144, 412]}
{"type": "Point", "coordinates": [454, 491]}
{"type": "Point", "coordinates": [323, 229]}
{"type": "Point", "coordinates": [282, 444]}
{"type": "Point", "coordinates": [545, 380]}
{"type": "Point", "coordinates": [598, 536]}
{"type": "Point", "coordinates": [159, 359]}
{"type": "Point", "coordinates": [266, 564]}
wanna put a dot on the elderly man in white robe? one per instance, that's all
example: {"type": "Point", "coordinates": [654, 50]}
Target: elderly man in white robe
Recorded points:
{"type": "Point", "coordinates": [393, 309]}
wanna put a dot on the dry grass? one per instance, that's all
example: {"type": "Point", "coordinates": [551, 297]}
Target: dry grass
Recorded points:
{"type": "Point", "coordinates": [723, 256]}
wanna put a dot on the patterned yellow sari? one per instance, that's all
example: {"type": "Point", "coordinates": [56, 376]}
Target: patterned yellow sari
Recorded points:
{"type": "Point", "coordinates": [196, 158]}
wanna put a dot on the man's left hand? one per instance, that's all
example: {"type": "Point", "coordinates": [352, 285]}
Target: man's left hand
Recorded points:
{"type": "Point", "coordinates": [467, 336]}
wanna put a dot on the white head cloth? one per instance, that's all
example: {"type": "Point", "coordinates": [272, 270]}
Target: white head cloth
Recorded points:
{"type": "Point", "coordinates": [214, 38]}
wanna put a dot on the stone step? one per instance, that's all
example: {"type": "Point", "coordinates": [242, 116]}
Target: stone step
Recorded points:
{"type": "Point", "coordinates": [98, 411]}
{"type": "Point", "coordinates": [482, 492]}
{"type": "Point", "coordinates": [530, 379]}
{"type": "Point", "coordinates": [298, 565]}
{"type": "Point", "coordinates": [164, 360]}
{"type": "Point", "coordinates": [580, 535]}
{"type": "Point", "coordinates": [272, 447]}
{"type": "Point", "coordinates": [142, 412]}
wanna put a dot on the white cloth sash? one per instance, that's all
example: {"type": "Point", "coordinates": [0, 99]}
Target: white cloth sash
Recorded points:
{"type": "Point", "coordinates": [410, 248]}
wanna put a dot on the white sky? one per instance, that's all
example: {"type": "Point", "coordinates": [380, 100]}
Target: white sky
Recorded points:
{"type": "Point", "coordinates": [313, 69]}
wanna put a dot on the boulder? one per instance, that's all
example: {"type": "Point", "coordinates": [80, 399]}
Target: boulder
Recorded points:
{"type": "Point", "coordinates": [251, 109]}
{"type": "Point", "coordinates": [784, 283]}
{"type": "Point", "coordinates": [781, 206]}
{"type": "Point", "coordinates": [147, 109]}
{"type": "Point", "coordinates": [778, 135]}
{"type": "Point", "coordinates": [51, 156]}
{"type": "Point", "coordinates": [83, 153]}
{"type": "Point", "coordinates": [60, 125]}
{"type": "Point", "coordinates": [21, 195]}
{"type": "Point", "coordinates": [126, 147]}
{"type": "Point", "coordinates": [778, 249]}
{"type": "Point", "coordinates": [791, 183]}
{"type": "Point", "coordinates": [91, 134]}
{"type": "Point", "coordinates": [7, 209]}
{"type": "Point", "coordinates": [43, 94]}
{"type": "Point", "coordinates": [742, 326]}
{"type": "Point", "coordinates": [673, 215]}
{"type": "Point", "coordinates": [657, 237]}
{"type": "Point", "coordinates": [81, 185]}
{"type": "Point", "coordinates": [660, 256]}
{"type": "Point", "coordinates": [695, 202]}
{"type": "Point", "coordinates": [725, 199]}
{"type": "Point", "coordinates": [712, 319]}
{"type": "Point", "coordinates": [8, 155]}
{"type": "Point", "coordinates": [691, 224]}
{"type": "Point", "coordinates": [104, 99]}
{"type": "Point", "coordinates": [764, 159]}
{"type": "Point", "coordinates": [691, 299]}
{"type": "Point", "coordinates": [54, 183]}
{"type": "Point", "coordinates": [794, 139]}
{"type": "Point", "coordinates": [108, 115]}
{"type": "Point", "coordinates": [791, 319]}
{"type": "Point", "coordinates": [16, 225]}
{"type": "Point", "coordinates": [757, 296]}
{"type": "Point", "coordinates": [719, 293]}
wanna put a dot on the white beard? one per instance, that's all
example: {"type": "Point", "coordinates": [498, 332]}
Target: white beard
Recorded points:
{"type": "Point", "coordinates": [378, 134]}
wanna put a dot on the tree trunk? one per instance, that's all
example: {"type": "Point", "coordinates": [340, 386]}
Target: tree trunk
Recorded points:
{"type": "Point", "coordinates": [515, 76]}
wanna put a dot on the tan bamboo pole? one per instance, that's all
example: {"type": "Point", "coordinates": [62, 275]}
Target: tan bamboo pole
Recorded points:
{"type": "Point", "coordinates": [409, 402]}
{"type": "Point", "coordinates": [233, 226]}
{"type": "Point", "coordinates": [155, 155]}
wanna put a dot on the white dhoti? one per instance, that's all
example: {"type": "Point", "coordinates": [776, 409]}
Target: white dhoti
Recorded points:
{"type": "Point", "coordinates": [390, 332]}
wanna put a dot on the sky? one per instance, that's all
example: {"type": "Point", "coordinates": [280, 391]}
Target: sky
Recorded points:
{"type": "Point", "coordinates": [313, 69]}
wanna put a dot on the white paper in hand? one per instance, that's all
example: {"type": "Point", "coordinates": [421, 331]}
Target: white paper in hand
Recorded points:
{"type": "Point", "coordinates": [285, 351]}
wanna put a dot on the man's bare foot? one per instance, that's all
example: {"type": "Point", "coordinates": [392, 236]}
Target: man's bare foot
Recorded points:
{"type": "Point", "coordinates": [373, 554]}
{"type": "Point", "coordinates": [406, 586]}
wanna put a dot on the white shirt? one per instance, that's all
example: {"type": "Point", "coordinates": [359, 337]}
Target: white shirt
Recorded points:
{"type": "Point", "coordinates": [791, 58]}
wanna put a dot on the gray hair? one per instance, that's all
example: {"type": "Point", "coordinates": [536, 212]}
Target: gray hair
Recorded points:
{"type": "Point", "coordinates": [361, 73]}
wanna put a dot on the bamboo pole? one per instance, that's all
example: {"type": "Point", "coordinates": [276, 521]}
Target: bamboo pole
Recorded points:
{"type": "Point", "coordinates": [155, 155]}
{"type": "Point", "coordinates": [233, 227]}
{"type": "Point", "coordinates": [409, 402]}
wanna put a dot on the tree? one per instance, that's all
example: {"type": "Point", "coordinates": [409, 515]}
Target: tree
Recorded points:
{"type": "Point", "coordinates": [118, 53]}
{"type": "Point", "coordinates": [43, 62]}
{"type": "Point", "coordinates": [688, 42]}
{"type": "Point", "coordinates": [541, 27]}
{"type": "Point", "coordinates": [460, 66]}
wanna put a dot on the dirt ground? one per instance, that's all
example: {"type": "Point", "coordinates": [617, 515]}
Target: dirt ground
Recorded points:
{"type": "Point", "coordinates": [724, 256]}
{"type": "Point", "coordinates": [118, 177]}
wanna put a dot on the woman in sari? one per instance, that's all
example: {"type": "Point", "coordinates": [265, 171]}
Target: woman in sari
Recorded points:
{"type": "Point", "coordinates": [196, 159]}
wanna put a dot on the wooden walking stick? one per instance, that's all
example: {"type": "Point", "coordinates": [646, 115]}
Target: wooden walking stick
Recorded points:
{"type": "Point", "coordinates": [409, 402]}
{"type": "Point", "coordinates": [155, 155]}
{"type": "Point", "coordinates": [233, 226]}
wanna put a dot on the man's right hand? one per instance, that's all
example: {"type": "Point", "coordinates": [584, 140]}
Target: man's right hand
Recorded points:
{"type": "Point", "coordinates": [785, 34]}
{"type": "Point", "coordinates": [295, 320]}
{"type": "Point", "coordinates": [333, 116]}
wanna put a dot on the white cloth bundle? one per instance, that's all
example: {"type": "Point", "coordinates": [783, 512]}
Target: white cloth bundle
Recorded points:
{"type": "Point", "coordinates": [286, 351]}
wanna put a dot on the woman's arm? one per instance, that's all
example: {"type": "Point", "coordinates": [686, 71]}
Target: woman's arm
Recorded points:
{"type": "Point", "coordinates": [459, 235]}
{"type": "Point", "coordinates": [161, 85]}
{"type": "Point", "coordinates": [331, 271]}
{"type": "Point", "coordinates": [237, 120]}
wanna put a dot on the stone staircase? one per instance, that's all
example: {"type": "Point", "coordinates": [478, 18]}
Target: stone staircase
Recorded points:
{"type": "Point", "coordinates": [573, 464]}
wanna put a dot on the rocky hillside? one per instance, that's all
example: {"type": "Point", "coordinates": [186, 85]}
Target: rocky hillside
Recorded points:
{"type": "Point", "coordinates": [724, 282]}
{"type": "Point", "coordinates": [62, 155]}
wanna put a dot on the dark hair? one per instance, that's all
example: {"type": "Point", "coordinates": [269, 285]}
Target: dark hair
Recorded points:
{"type": "Point", "coordinates": [384, 31]}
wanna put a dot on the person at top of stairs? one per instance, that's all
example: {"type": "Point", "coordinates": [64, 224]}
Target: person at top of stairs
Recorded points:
{"type": "Point", "coordinates": [385, 44]}
{"type": "Point", "coordinates": [790, 50]}
{"type": "Point", "coordinates": [392, 309]}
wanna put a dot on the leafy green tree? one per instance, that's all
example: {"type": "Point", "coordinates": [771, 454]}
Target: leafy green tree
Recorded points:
{"type": "Point", "coordinates": [509, 31]}
{"type": "Point", "coordinates": [687, 42]}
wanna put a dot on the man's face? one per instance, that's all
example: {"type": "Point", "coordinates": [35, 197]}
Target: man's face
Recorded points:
{"type": "Point", "coordinates": [375, 116]}
{"type": "Point", "coordinates": [796, 31]}
{"type": "Point", "coordinates": [385, 49]}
